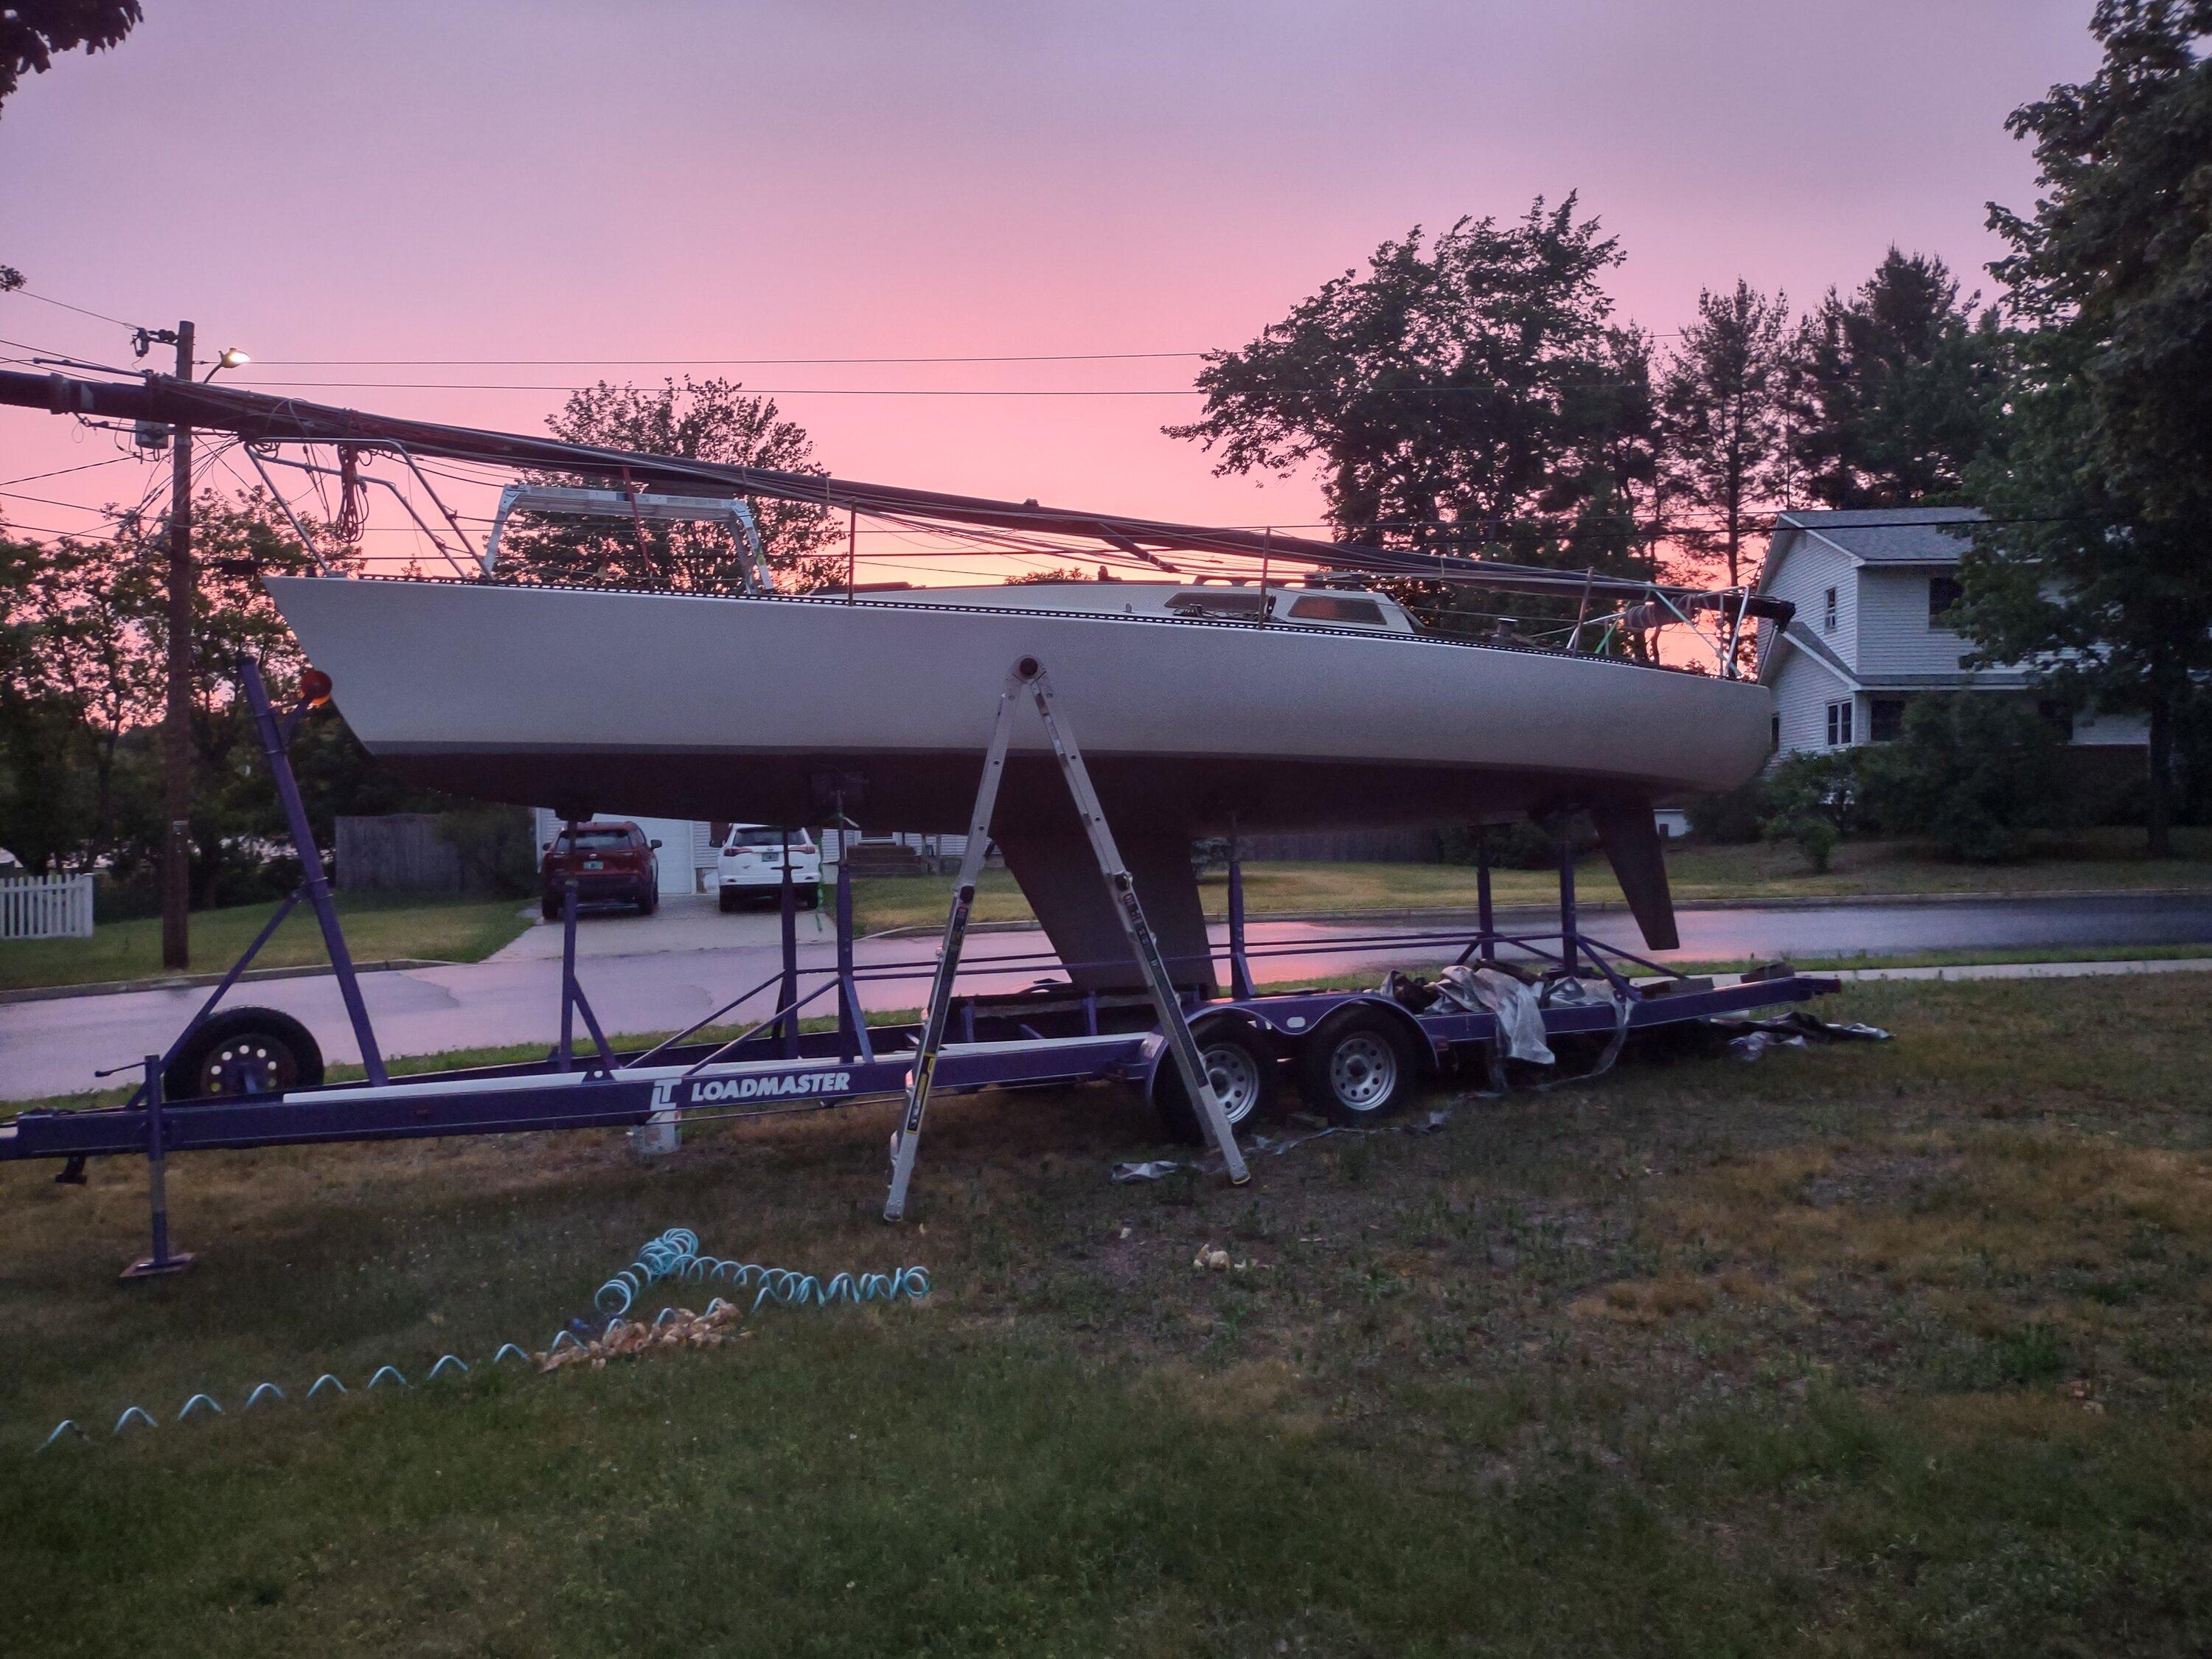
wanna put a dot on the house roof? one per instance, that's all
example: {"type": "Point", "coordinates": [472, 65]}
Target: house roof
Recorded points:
{"type": "Point", "coordinates": [1890, 535]}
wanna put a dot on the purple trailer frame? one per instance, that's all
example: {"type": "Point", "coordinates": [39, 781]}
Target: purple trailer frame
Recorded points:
{"type": "Point", "coordinates": [773, 1065]}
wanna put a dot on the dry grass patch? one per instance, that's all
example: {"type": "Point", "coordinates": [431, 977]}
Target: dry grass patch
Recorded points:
{"type": "Point", "coordinates": [1948, 1209]}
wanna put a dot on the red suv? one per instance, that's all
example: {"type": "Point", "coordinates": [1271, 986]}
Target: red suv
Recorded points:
{"type": "Point", "coordinates": [611, 862]}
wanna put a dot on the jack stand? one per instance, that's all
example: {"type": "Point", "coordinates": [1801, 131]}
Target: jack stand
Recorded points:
{"type": "Point", "coordinates": [853, 1041]}
{"type": "Point", "coordinates": [163, 1261]}
{"type": "Point", "coordinates": [1569, 951]}
{"type": "Point", "coordinates": [573, 1000]}
{"type": "Point", "coordinates": [1240, 969]}
{"type": "Point", "coordinates": [1028, 676]}
{"type": "Point", "coordinates": [788, 998]}
{"type": "Point", "coordinates": [1485, 918]}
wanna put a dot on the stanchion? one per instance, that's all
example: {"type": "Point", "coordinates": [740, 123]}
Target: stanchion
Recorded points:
{"type": "Point", "coordinates": [163, 1259]}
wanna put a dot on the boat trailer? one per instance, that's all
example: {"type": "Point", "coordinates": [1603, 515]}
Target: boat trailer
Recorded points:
{"type": "Point", "coordinates": [248, 1077]}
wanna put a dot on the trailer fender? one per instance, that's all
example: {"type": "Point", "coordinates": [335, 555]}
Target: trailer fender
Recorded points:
{"type": "Point", "coordinates": [1297, 1017]}
{"type": "Point", "coordinates": [1156, 1053]}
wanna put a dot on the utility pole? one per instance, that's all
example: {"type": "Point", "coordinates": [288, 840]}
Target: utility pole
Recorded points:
{"type": "Point", "coordinates": [177, 724]}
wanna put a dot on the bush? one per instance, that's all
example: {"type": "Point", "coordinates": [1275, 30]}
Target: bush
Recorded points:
{"type": "Point", "coordinates": [1522, 845]}
{"type": "Point", "coordinates": [1812, 799]}
{"type": "Point", "coordinates": [1733, 820]}
{"type": "Point", "coordinates": [497, 852]}
{"type": "Point", "coordinates": [1973, 773]}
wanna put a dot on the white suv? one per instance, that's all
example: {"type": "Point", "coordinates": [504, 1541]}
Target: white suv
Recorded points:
{"type": "Point", "coordinates": [751, 866]}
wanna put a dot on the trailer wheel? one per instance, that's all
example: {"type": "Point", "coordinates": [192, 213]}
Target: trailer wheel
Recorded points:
{"type": "Point", "coordinates": [244, 1051]}
{"type": "Point", "coordinates": [1240, 1066]}
{"type": "Point", "coordinates": [1360, 1066]}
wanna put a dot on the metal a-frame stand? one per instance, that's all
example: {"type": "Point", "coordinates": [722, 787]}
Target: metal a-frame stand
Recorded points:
{"type": "Point", "coordinates": [1028, 679]}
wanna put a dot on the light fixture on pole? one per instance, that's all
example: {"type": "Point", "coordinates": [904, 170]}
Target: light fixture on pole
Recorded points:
{"type": "Point", "coordinates": [232, 357]}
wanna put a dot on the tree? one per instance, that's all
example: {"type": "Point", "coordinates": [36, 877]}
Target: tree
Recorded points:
{"type": "Point", "coordinates": [1896, 389]}
{"type": "Point", "coordinates": [1466, 394]}
{"type": "Point", "coordinates": [32, 31]}
{"type": "Point", "coordinates": [701, 420]}
{"type": "Point", "coordinates": [2098, 570]}
{"type": "Point", "coordinates": [1721, 437]}
{"type": "Point", "coordinates": [1972, 772]}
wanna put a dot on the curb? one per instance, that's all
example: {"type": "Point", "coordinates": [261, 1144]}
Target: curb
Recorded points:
{"type": "Point", "coordinates": [115, 988]}
{"type": "Point", "coordinates": [1522, 907]}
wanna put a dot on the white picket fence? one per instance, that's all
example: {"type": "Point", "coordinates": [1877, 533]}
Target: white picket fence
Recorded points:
{"type": "Point", "coordinates": [46, 906]}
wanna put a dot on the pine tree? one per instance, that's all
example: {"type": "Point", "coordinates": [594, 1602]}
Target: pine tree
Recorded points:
{"type": "Point", "coordinates": [1896, 389]}
{"type": "Point", "coordinates": [1723, 455]}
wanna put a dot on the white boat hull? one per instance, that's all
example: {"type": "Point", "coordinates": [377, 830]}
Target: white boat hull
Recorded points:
{"type": "Point", "coordinates": [739, 708]}
{"type": "Point", "coordinates": [786, 710]}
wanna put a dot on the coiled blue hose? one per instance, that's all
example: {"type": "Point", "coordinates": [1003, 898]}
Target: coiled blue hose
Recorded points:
{"type": "Point", "coordinates": [674, 1253]}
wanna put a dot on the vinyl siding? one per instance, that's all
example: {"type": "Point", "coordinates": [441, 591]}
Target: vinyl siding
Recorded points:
{"type": "Point", "coordinates": [2111, 731]}
{"type": "Point", "coordinates": [1803, 569]}
{"type": "Point", "coordinates": [1803, 688]}
{"type": "Point", "coordinates": [1891, 622]}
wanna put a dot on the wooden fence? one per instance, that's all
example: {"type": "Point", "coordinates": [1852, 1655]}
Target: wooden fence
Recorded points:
{"type": "Point", "coordinates": [400, 853]}
{"type": "Point", "coordinates": [46, 906]}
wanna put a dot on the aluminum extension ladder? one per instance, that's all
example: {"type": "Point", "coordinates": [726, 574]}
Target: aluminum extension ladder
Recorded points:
{"type": "Point", "coordinates": [1028, 679]}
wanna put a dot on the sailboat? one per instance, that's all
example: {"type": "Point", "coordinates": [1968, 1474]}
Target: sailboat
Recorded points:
{"type": "Point", "coordinates": [1204, 707]}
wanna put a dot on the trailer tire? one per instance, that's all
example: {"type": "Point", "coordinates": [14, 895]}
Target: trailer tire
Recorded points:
{"type": "Point", "coordinates": [1240, 1064]}
{"type": "Point", "coordinates": [282, 1051]}
{"type": "Point", "coordinates": [1361, 1065]}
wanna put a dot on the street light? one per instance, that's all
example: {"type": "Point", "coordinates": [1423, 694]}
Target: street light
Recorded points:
{"type": "Point", "coordinates": [232, 357]}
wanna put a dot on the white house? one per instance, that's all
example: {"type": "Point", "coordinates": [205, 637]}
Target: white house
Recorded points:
{"type": "Point", "coordinates": [1874, 589]}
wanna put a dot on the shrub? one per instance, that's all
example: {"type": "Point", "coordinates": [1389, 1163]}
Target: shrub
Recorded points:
{"type": "Point", "coordinates": [1973, 773]}
{"type": "Point", "coordinates": [1811, 799]}
{"type": "Point", "coordinates": [497, 853]}
{"type": "Point", "coordinates": [1522, 845]}
{"type": "Point", "coordinates": [1733, 819]}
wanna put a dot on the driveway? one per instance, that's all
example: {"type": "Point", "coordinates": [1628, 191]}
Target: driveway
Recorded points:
{"type": "Point", "coordinates": [657, 974]}
{"type": "Point", "coordinates": [685, 921]}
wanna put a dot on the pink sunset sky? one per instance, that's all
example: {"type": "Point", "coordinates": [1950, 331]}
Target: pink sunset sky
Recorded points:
{"type": "Point", "coordinates": [323, 181]}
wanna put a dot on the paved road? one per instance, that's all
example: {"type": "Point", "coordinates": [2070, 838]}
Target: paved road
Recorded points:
{"type": "Point", "coordinates": [54, 1047]}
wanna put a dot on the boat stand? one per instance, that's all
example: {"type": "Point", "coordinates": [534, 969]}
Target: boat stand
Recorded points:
{"type": "Point", "coordinates": [1028, 680]}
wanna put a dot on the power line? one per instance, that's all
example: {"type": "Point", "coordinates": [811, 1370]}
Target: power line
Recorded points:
{"type": "Point", "coordinates": [32, 478]}
{"type": "Point", "coordinates": [81, 311]}
{"type": "Point", "coordinates": [713, 363]}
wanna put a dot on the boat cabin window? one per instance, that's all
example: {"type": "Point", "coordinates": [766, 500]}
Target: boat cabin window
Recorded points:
{"type": "Point", "coordinates": [1231, 602]}
{"type": "Point", "coordinates": [1338, 608]}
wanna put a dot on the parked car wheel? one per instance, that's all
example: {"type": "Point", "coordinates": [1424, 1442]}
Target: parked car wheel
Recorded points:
{"type": "Point", "coordinates": [730, 901]}
{"type": "Point", "coordinates": [648, 901]}
{"type": "Point", "coordinates": [549, 908]}
{"type": "Point", "coordinates": [1359, 1066]}
{"type": "Point", "coordinates": [242, 1051]}
{"type": "Point", "coordinates": [1240, 1067]}
{"type": "Point", "coordinates": [810, 898]}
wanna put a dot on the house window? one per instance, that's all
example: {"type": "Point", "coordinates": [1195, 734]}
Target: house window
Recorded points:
{"type": "Point", "coordinates": [1839, 725]}
{"type": "Point", "coordinates": [1885, 720]}
{"type": "Point", "coordinates": [1944, 593]}
{"type": "Point", "coordinates": [1828, 613]}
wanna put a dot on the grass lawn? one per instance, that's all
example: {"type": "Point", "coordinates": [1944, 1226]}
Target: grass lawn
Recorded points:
{"type": "Point", "coordinates": [377, 929]}
{"type": "Point", "coordinates": [1895, 1349]}
{"type": "Point", "coordinates": [2099, 859]}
